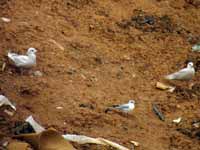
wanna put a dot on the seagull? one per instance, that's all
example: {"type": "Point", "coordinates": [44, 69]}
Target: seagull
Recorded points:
{"type": "Point", "coordinates": [184, 74]}
{"type": "Point", "coordinates": [24, 61]}
{"type": "Point", "coordinates": [124, 107]}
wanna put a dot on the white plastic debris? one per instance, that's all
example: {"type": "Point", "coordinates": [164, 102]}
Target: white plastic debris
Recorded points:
{"type": "Point", "coordinates": [37, 127]}
{"type": "Point", "coordinates": [4, 19]}
{"type": "Point", "coordinates": [135, 143]}
{"type": "Point", "coordinates": [162, 86]}
{"type": "Point", "coordinates": [196, 48]}
{"type": "Point", "coordinates": [81, 139]}
{"type": "Point", "coordinates": [112, 144]}
{"type": "Point", "coordinates": [4, 101]}
{"type": "Point", "coordinates": [177, 121]}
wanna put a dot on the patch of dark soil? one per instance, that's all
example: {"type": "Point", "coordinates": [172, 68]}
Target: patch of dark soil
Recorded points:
{"type": "Point", "coordinates": [167, 107]}
{"type": "Point", "coordinates": [190, 128]}
{"type": "Point", "coordinates": [184, 93]}
{"type": "Point", "coordinates": [195, 3]}
{"type": "Point", "coordinates": [196, 89]}
{"type": "Point", "coordinates": [3, 3]}
{"type": "Point", "coordinates": [152, 23]}
{"type": "Point", "coordinates": [78, 3]}
{"type": "Point", "coordinates": [28, 91]}
{"type": "Point", "coordinates": [5, 123]}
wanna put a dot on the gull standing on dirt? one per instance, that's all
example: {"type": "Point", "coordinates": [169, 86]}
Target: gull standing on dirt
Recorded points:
{"type": "Point", "coordinates": [184, 74]}
{"type": "Point", "coordinates": [24, 61]}
{"type": "Point", "coordinates": [124, 107]}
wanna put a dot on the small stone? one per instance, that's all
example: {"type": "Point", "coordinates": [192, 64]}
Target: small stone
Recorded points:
{"type": "Point", "coordinates": [38, 73]}
{"type": "Point", "coordinates": [10, 113]}
{"type": "Point", "coordinates": [4, 19]}
{"type": "Point", "coordinates": [196, 125]}
{"type": "Point", "coordinates": [59, 107]}
{"type": "Point", "coordinates": [71, 71]}
{"type": "Point", "coordinates": [91, 27]}
{"type": "Point", "coordinates": [5, 144]}
{"type": "Point", "coordinates": [126, 57]}
{"type": "Point", "coordinates": [133, 75]}
{"type": "Point", "coordinates": [177, 121]}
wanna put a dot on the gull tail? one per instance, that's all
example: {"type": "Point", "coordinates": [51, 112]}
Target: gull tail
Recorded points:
{"type": "Point", "coordinates": [111, 108]}
{"type": "Point", "coordinates": [11, 55]}
{"type": "Point", "coordinates": [108, 109]}
{"type": "Point", "coordinates": [169, 77]}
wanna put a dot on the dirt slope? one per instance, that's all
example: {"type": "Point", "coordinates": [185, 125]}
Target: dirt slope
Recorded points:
{"type": "Point", "coordinates": [94, 54]}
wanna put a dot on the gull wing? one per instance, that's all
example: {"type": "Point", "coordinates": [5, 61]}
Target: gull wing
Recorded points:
{"type": "Point", "coordinates": [182, 74]}
{"type": "Point", "coordinates": [19, 60]}
{"type": "Point", "coordinates": [124, 106]}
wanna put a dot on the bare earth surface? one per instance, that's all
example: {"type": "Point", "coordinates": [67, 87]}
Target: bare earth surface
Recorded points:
{"type": "Point", "coordinates": [96, 53]}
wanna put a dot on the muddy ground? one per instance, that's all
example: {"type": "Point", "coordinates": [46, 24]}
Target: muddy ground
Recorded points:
{"type": "Point", "coordinates": [96, 53]}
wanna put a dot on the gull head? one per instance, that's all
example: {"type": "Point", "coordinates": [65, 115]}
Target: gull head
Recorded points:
{"type": "Point", "coordinates": [190, 65]}
{"type": "Point", "coordinates": [131, 101]}
{"type": "Point", "coordinates": [31, 51]}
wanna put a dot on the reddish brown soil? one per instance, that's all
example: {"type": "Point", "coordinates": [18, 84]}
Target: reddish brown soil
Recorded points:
{"type": "Point", "coordinates": [105, 54]}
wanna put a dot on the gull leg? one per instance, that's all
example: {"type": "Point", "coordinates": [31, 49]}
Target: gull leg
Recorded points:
{"type": "Point", "coordinates": [21, 71]}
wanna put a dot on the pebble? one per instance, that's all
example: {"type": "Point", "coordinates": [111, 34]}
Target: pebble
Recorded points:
{"type": "Point", "coordinates": [5, 144]}
{"type": "Point", "coordinates": [91, 27]}
{"type": "Point", "coordinates": [38, 73]}
{"type": "Point", "coordinates": [133, 75]}
{"type": "Point", "coordinates": [126, 57]}
{"type": "Point", "coordinates": [10, 113]}
{"type": "Point", "coordinates": [59, 107]}
{"type": "Point", "coordinates": [4, 19]}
